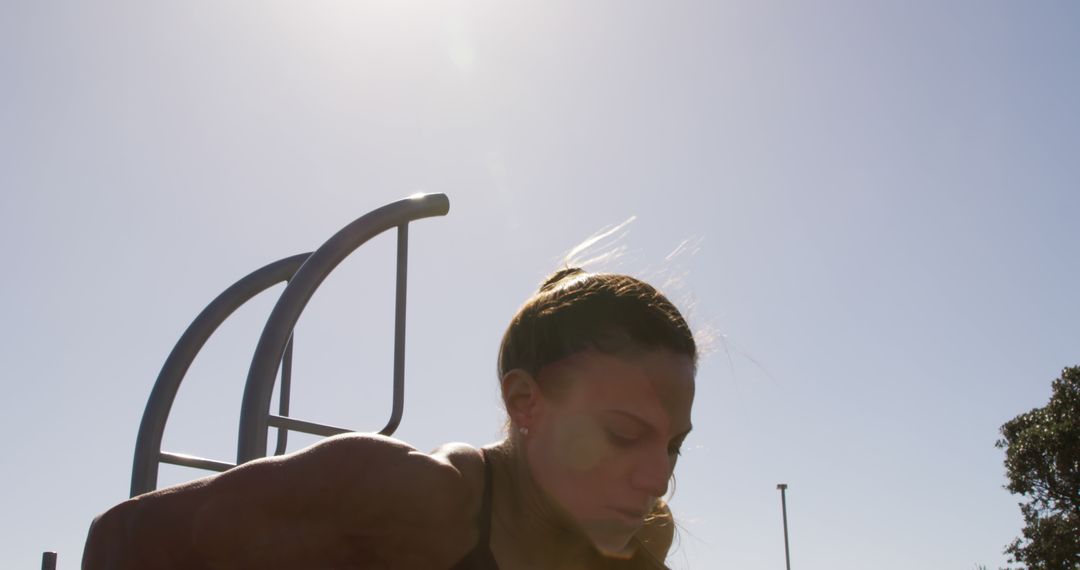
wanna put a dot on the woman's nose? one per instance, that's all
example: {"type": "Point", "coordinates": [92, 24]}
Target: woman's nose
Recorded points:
{"type": "Point", "coordinates": [652, 474]}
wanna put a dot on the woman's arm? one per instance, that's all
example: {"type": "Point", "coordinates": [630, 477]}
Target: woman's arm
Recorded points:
{"type": "Point", "coordinates": [350, 500]}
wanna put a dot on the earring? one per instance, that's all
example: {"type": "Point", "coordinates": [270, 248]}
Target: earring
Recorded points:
{"type": "Point", "coordinates": [524, 431]}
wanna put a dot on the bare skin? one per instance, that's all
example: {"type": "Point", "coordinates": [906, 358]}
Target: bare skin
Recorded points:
{"type": "Point", "coordinates": [348, 502]}
{"type": "Point", "coordinates": [600, 448]}
{"type": "Point", "coordinates": [595, 455]}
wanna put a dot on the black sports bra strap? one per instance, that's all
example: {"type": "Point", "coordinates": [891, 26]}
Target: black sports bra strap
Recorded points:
{"type": "Point", "coordinates": [481, 557]}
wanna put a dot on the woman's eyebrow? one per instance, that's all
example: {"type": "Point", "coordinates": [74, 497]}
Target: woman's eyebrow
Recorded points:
{"type": "Point", "coordinates": [646, 425]}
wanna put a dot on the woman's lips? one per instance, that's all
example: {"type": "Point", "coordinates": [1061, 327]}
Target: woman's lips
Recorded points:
{"type": "Point", "coordinates": [631, 516]}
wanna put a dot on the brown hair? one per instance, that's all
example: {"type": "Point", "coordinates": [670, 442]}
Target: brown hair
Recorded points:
{"type": "Point", "coordinates": [575, 311]}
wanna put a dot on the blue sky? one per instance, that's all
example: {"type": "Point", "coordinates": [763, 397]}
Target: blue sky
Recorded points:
{"type": "Point", "coordinates": [880, 198]}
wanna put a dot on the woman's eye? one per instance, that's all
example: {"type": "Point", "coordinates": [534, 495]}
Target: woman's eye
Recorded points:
{"type": "Point", "coordinates": [676, 451]}
{"type": "Point", "coordinates": [621, 440]}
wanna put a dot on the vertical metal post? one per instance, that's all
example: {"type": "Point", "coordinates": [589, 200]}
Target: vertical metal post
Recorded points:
{"type": "Point", "coordinates": [284, 394]}
{"type": "Point", "coordinates": [783, 505]}
{"type": "Point", "coordinates": [48, 561]}
{"type": "Point", "coordinates": [399, 330]}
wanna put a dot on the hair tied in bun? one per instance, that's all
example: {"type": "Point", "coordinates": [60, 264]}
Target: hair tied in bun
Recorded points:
{"type": "Point", "coordinates": [559, 276]}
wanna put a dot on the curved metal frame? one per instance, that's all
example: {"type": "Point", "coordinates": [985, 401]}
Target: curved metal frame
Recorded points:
{"type": "Point", "coordinates": [148, 451]}
{"type": "Point", "coordinates": [303, 273]}
{"type": "Point", "coordinates": [255, 416]}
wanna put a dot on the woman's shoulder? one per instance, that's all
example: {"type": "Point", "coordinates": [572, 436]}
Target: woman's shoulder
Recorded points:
{"type": "Point", "coordinates": [322, 504]}
{"type": "Point", "coordinates": [449, 469]}
{"type": "Point", "coordinates": [453, 472]}
{"type": "Point", "coordinates": [357, 478]}
{"type": "Point", "coordinates": [465, 458]}
{"type": "Point", "coordinates": [468, 461]}
{"type": "Point", "coordinates": [426, 501]}
{"type": "Point", "coordinates": [345, 449]}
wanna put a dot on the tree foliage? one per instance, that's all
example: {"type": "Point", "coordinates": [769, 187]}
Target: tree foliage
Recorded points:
{"type": "Point", "coordinates": [1042, 462]}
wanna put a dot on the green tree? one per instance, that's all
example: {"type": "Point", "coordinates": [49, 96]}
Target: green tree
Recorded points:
{"type": "Point", "coordinates": [1042, 462]}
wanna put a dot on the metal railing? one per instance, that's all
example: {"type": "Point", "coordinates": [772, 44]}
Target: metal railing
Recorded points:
{"type": "Point", "coordinates": [148, 452]}
{"type": "Point", "coordinates": [303, 274]}
{"type": "Point", "coordinates": [255, 416]}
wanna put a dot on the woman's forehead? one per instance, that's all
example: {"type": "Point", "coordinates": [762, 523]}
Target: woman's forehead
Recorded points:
{"type": "Point", "coordinates": [657, 385]}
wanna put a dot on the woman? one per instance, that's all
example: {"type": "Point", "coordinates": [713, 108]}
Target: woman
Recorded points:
{"type": "Point", "coordinates": [597, 375]}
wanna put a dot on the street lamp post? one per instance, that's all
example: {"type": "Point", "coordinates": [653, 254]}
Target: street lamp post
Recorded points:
{"type": "Point", "coordinates": [783, 505]}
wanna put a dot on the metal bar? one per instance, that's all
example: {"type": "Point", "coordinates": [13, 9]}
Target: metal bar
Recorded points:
{"type": "Point", "coordinates": [783, 505]}
{"type": "Point", "coordinates": [144, 470]}
{"type": "Point", "coordinates": [293, 424]}
{"type": "Point", "coordinates": [399, 331]}
{"type": "Point", "coordinates": [284, 395]}
{"type": "Point", "coordinates": [258, 392]}
{"type": "Point", "coordinates": [192, 461]}
{"type": "Point", "coordinates": [48, 561]}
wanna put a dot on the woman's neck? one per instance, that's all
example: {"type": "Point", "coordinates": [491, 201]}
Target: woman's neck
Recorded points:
{"type": "Point", "coordinates": [528, 528]}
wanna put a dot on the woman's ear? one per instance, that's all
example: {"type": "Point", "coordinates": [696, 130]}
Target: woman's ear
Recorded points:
{"type": "Point", "coordinates": [522, 398]}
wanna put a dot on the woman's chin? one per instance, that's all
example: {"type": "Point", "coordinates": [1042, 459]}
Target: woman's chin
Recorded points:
{"type": "Point", "coordinates": [612, 539]}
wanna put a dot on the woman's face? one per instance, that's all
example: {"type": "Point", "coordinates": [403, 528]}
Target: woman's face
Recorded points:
{"type": "Point", "coordinates": [605, 446]}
